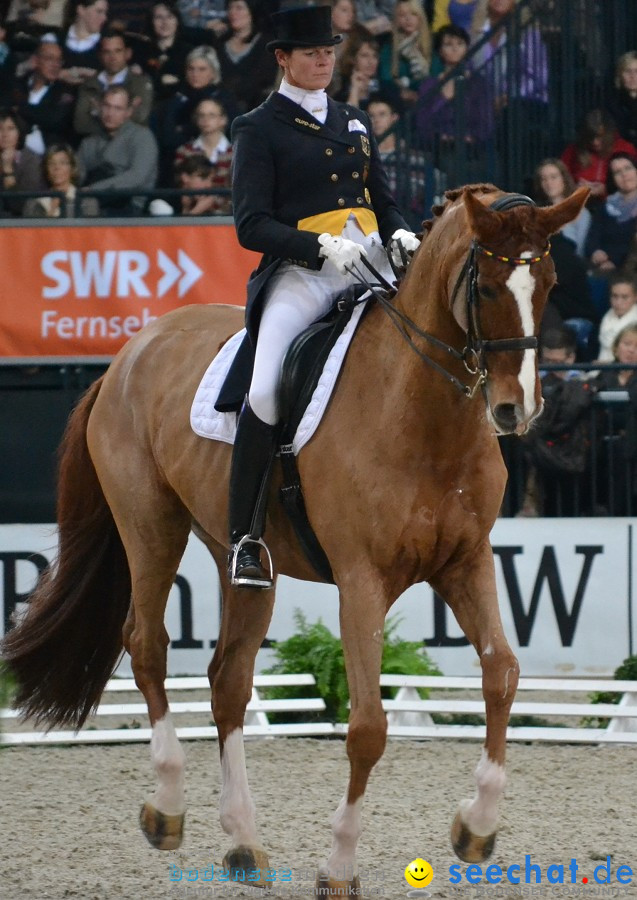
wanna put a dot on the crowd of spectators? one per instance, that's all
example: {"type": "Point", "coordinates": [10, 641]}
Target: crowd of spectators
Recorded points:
{"type": "Point", "coordinates": [57, 59]}
{"type": "Point", "coordinates": [128, 91]}
{"type": "Point", "coordinates": [131, 89]}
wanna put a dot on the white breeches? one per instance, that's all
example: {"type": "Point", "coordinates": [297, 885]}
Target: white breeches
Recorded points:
{"type": "Point", "coordinates": [295, 298]}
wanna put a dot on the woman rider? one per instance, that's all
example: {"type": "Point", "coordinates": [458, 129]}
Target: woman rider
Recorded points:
{"type": "Point", "coordinates": [309, 192]}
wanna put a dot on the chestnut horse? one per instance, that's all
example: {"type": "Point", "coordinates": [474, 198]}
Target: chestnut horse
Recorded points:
{"type": "Point", "coordinates": [403, 482]}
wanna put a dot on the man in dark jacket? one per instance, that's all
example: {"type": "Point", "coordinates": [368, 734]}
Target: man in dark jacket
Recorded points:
{"type": "Point", "coordinates": [115, 55]}
{"type": "Point", "coordinates": [310, 193]}
{"type": "Point", "coordinates": [43, 101]}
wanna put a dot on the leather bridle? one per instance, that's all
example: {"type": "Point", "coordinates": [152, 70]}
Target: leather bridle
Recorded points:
{"type": "Point", "coordinates": [473, 356]}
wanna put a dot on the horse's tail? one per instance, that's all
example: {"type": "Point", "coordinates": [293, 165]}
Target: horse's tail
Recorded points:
{"type": "Point", "coordinates": [65, 648]}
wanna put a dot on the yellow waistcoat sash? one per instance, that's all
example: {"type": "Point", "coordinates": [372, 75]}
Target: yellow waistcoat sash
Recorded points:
{"type": "Point", "coordinates": [334, 221]}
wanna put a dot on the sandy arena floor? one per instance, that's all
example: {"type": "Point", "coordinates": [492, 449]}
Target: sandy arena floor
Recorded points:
{"type": "Point", "coordinates": [70, 818]}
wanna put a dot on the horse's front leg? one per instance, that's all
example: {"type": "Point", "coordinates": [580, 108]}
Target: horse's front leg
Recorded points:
{"type": "Point", "coordinates": [246, 615]}
{"type": "Point", "coordinates": [469, 589]}
{"type": "Point", "coordinates": [362, 616]}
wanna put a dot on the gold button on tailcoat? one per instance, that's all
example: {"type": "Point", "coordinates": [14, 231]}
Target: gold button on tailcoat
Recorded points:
{"type": "Point", "coordinates": [334, 177]}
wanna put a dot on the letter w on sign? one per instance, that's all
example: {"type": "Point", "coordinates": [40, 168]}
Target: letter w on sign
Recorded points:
{"type": "Point", "coordinates": [549, 572]}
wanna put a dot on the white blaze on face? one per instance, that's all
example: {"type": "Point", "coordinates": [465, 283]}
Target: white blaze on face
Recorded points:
{"type": "Point", "coordinates": [521, 283]}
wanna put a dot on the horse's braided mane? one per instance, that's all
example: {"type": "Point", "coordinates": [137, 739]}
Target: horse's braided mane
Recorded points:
{"type": "Point", "coordinates": [451, 196]}
{"type": "Point", "coordinates": [482, 188]}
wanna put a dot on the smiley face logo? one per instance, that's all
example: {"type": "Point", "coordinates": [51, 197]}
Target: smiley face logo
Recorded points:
{"type": "Point", "coordinates": [419, 873]}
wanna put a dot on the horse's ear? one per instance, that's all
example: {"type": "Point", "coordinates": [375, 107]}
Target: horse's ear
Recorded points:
{"type": "Point", "coordinates": [484, 223]}
{"type": "Point", "coordinates": [553, 218]}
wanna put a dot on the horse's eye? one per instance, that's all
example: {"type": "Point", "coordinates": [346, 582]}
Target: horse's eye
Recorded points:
{"type": "Point", "coordinates": [486, 292]}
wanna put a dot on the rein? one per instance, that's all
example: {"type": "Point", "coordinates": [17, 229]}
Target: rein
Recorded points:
{"type": "Point", "coordinates": [473, 356]}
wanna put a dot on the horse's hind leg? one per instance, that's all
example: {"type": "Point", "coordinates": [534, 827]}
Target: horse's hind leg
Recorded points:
{"type": "Point", "coordinates": [154, 528]}
{"type": "Point", "coordinates": [469, 589]}
{"type": "Point", "coordinates": [245, 618]}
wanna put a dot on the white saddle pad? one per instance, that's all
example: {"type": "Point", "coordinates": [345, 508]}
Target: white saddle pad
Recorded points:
{"type": "Point", "coordinates": [207, 422]}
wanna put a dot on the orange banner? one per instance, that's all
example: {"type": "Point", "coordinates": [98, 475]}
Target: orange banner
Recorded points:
{"type": "Point", "coordinates": [84, 290]}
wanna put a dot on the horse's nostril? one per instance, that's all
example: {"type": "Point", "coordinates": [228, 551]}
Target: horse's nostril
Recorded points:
{"type": "Point", "coordinates": [505, 416]}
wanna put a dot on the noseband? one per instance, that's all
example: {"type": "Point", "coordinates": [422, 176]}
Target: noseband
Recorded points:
{"type": "Point", "coordinates": [473, 356]}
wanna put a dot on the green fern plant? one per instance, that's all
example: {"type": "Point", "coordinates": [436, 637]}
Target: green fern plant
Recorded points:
{"type": "Point", "coordinates": [314, 649]}
{"type": "Point", "coordinates": [627, 671]}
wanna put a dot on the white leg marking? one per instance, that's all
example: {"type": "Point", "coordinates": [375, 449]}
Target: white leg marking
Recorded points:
{"type": "Point", "coordinates": [480, 815]}
{"type": "Point", "coordinates": [346, 830]}
{"type": "Point", "coordinates": [521, 283]}
{"type": "Point", "coordinates": [236, 807]}
{"type": "Point", "coordinates": [169, 760]}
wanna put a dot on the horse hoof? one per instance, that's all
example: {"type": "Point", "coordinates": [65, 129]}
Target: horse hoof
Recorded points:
{"type": "Point", "coordinates": [329, 887]}
{"type": "Point", "coordinates": [469, 847]}
{"type": "Point", "coordinates": [162, 831]}
{"type": "Point", "coordinates": [243, 860]}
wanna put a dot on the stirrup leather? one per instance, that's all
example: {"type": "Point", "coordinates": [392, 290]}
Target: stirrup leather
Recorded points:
{"type": "Point", "coordinates": [237, 580]}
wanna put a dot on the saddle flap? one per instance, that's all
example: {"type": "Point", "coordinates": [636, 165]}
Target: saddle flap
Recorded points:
{"type": "Point", "coordinates": [306, 357]}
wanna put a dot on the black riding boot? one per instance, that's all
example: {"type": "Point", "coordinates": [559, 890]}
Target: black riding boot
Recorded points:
{"type": "Point", "coordinates": [253, 455]}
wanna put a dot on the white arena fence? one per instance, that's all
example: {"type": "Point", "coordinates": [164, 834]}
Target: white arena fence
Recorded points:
{"type": "Point", "coordinates": [408, 715]}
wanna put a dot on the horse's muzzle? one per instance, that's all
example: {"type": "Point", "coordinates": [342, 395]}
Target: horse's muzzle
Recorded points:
{"type": "Point", "coordinates": [510, 418]}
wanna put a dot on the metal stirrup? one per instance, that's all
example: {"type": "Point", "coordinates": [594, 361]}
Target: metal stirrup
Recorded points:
{"type": "Point", "coordinates": [248, 539]}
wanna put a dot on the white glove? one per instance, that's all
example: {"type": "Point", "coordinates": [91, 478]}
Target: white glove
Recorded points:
{"type": "Point", "coordinates": [340, 251]}
{"type": "Point", "coordinates": [409, 241]}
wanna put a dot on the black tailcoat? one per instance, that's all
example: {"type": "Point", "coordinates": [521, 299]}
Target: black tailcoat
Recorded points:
{"type": "Point", "coordinates": [287, 166]}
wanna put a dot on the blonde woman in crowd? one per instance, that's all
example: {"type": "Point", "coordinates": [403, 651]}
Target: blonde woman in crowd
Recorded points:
{"type": "Point", "coordinates": [406, 59]}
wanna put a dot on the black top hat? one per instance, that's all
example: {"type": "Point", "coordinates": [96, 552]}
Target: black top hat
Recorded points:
{"type": "Point", "coordinates": [306, 26]}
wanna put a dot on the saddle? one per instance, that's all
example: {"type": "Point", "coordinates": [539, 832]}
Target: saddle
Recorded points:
{"type": "Point", "coordinates": [301, 369]}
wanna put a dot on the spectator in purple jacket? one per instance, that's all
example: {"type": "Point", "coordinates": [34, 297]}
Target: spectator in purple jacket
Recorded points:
{"type": "Point", "coordinates": [528, 79]}
{"type": "Point", "coordinates": [437, 112]}
{"type": "Point", "coordinates": [514, 64]}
